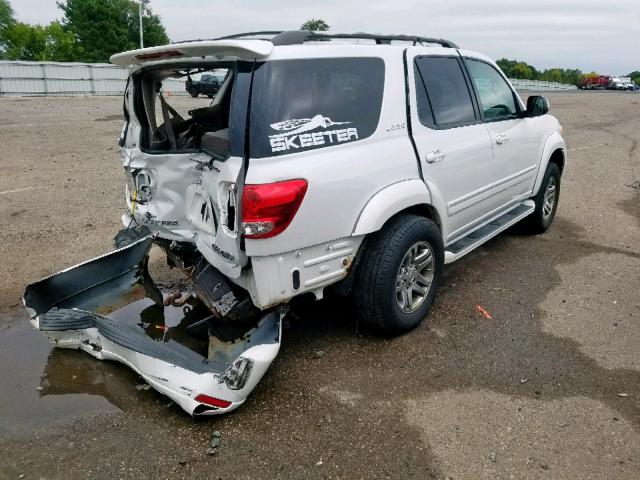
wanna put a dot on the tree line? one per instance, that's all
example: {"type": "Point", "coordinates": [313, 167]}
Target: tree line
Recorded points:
{"type": "Point", "coordinates": [93, 30]}
{"type": "Point", "coordinates": [522, 70]}
{"type": "Point", "coordinates": [90, 31]}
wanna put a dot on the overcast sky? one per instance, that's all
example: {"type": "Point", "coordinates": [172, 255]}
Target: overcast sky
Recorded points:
{"type": "Point", "coordinates": [590, 35]}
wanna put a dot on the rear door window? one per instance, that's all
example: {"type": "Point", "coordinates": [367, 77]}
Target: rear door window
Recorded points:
{"type": "Point", "coordinates": [497, 100]}
{"type": "Point", "coordinates": [299, 105]}
{"type": "Point", "coordinates": [443, 96]}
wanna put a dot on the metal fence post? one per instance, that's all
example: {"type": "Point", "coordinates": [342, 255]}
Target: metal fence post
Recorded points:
{"type": "Point", "coordinates": [93, 79]}
{"type": "Point", "coordinates": [44, 78]}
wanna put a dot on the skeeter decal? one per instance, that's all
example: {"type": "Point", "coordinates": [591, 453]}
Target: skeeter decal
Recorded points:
{"type": "Point", "coordinates": [299, 133]}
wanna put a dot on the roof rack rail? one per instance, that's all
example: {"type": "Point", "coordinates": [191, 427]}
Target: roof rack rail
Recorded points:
{"type": "Point", "coordinates": [297, 37]}
{"type": "Point", "coordinates": [384, 39]}
{"type": "Point", "coordinates": [250, 34]}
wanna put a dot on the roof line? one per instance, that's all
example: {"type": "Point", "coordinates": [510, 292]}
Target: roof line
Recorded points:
{"type": "Point", "coordinates": [298, 37]}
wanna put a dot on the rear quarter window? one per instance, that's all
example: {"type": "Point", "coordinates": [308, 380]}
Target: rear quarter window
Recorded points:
{"type": "Point", "coordinates": [443, 96]}
{"type": "Point", "coordinates": [300, 105]}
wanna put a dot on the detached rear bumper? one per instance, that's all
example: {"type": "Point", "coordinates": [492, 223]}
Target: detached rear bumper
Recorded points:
{"type": "Point", "coordinates": [102, 307]}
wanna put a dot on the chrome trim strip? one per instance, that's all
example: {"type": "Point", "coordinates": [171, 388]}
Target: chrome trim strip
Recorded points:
{"type": "Point", "coordinates": [489, 187]}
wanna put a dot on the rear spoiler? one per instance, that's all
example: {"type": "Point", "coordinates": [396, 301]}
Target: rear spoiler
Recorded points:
{"type": "Point", "coordinates": [243, 49]}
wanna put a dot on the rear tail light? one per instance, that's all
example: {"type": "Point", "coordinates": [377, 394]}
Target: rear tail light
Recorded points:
{"type": "Point", "coordinates": [268, 208]}
{"type": "Point", "coordinates": [212, 401]}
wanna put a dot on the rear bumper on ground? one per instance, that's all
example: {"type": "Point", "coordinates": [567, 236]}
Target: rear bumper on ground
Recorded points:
{"type": "Point", "coordinates": [99, 307]}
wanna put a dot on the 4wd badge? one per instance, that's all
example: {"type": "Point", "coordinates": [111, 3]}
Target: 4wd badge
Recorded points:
{"type": "Point", "coordinates": [309, 132]}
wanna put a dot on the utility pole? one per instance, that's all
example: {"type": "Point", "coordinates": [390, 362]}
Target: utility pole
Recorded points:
{"type": "Point", "coordinates": [141, 4]}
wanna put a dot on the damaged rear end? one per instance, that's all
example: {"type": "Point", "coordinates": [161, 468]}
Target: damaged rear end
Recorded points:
{"type": "Point", "coordinates": [111, 308]}
{"type": "Point", "coordinates": [204, 345]}
{"type": "Point", "coordinates": [185, 169]}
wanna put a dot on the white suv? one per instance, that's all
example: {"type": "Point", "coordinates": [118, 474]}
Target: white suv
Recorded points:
{"type": "Point", "coordinates": [361, 160]}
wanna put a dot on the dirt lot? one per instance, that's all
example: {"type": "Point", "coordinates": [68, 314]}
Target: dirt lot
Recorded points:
{"type": "Point", "coordinates": [549, 388]}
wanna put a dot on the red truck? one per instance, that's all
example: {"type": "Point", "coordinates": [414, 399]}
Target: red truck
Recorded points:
{"type": "Point", "coordinates": [595, 83]}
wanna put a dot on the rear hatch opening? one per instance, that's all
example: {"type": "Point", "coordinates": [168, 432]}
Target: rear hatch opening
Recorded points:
{"type": "Point", "coordinates": [169, 127]}
{"type": "Point", "coordinates": [185, 168]}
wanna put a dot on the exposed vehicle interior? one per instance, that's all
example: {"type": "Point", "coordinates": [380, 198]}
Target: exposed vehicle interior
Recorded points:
{"type": "Point", "coordinates": [202, 128]}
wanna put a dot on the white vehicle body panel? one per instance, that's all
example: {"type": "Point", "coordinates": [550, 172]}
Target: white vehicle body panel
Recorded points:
{"type": "Point", "coordinates": [169, 174]}
{"type": "Point", "coordinates": [353, 188]}
{"type": "Point", "coordinates": [203, 48]}
{"type": "Point", "coordinates": [516, 148]}
{"type": "Point", "coordinates": [270, 280]}
{"type": "Point", "coordinates": [221, 249]}
{"type": "Point", "coordinates": [389, 201]}
{"type": "Point", "coordinates": [552, 143]}
{"type": "Point", "coordinates": [342, 178]}
{"type": "Point", "coordinates": [458, 181]}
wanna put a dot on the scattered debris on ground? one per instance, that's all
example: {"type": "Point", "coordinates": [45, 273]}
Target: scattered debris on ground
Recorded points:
{"type": "Point", "coordinates": [215, 443]}
{"type": "Point", "coordinates": [484, 313]}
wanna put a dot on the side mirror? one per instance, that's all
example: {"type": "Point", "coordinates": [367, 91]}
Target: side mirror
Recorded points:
{"type": "Point", "coordinates": [537, 105]}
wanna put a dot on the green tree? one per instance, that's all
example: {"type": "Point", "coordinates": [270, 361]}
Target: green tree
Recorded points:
{"type": "Point", "coordinates": [522, 70]}
{"type": "Point", "coordinates": [517, 69]}
{"type": "Point", "coordinates": [6, 14]}
{"type": "Point", "coordinates": [6, 20]}
{"type": "Point", "coordinates": [40, 43]}
{"type": "Point", "coordinates": [635, 77]}
{"type": "Point", "coordinates": [105, 27]}
{"type": "Point", "coordinates": [315, 25]}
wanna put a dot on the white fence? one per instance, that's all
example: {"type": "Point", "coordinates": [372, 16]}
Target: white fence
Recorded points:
{"type": "Point", "coordinates": [539, 85]}
{"type": "Point", "coordinates": [57, 78]}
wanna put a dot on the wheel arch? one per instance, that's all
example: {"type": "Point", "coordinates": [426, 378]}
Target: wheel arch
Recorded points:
{"type": "Point", "coordinates": [407, 196]}
{"type": "Point", "coordinates": [554, 151]}
{"type": "Point", "coordinates": [404, 197]}
{"type": "Point", "coordinates": [557, 157]}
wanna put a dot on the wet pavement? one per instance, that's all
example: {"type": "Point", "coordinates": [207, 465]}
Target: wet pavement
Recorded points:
{"type": "Point", "coordinates": [547, 388]}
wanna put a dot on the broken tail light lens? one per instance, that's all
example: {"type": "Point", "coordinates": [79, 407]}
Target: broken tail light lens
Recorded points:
{"type": "Point", "coordinates": [268, 208]}
{"type": "Point", "coordinates": [212, 401]}
{"type": "Point", "coordinates": [237, 375]}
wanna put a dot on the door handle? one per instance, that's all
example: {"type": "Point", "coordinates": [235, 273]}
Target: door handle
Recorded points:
{"type": "Point", "coordinates": [501, 138]}
{"type": "Point", "coordinates": [434, 157]}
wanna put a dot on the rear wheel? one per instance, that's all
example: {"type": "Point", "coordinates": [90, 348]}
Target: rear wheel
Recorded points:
{"type": "Point", "coordinates": [398, 276]}
{"type": "Point", "coordinates": [546, 201]}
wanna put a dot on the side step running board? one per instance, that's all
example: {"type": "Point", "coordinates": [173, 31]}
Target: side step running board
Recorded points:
{"type": "Point", "coordinates": [476, 238]}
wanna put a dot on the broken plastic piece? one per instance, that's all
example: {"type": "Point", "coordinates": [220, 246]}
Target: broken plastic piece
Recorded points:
{"type": "Point", "coordinates": [91, 306]}
{"type": "Point", "coordinates": [484, 313]}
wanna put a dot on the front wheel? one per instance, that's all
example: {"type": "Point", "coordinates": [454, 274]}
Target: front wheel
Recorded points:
{"type": "Point", "coordinates": [399, 274]}
{"type": "Point", "coordinates": [546, 201]}
{"type": "Point", "coordinates": [193, 93]}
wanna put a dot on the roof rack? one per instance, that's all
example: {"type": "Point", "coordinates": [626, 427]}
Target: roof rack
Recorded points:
{"type": "Point", "coordinates": [297, 37]}
{"type": "Point", "coordinates": [250, 34]}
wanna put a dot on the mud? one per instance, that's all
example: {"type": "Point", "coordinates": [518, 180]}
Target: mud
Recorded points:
{"type": "Point", "coordinates": [535, 392]}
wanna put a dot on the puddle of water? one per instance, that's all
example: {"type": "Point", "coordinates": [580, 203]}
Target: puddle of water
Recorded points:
{"type": "Point", "coordinates": [164, 324]}
{"type": "Point", "coordinates": [44, 387]}
{"type": "Point", "coordinates": [25, 356]}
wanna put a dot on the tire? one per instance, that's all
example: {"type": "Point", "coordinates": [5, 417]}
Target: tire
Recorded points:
{"type": "Point", "coordinates": [542, 217]}
{"type": "Point", "coordinates": [210, 96]}
{"type": "Point", "coordinates": [381, 272]}
{"type": "Point", "coordinates": [193, 93]}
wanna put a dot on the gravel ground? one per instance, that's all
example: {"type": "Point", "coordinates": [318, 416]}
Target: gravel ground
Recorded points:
{"type": "Point", "coordinates": [548, 388]}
